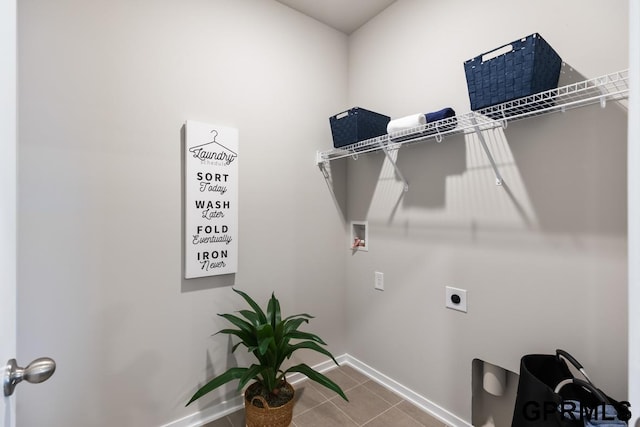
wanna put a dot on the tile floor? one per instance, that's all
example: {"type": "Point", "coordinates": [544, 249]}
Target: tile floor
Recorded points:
{"type": "Point", "coordinates": [370, 405]}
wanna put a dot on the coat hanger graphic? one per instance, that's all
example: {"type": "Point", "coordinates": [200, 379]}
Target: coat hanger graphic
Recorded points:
{"type": "Point", "coordinates": [215, 135]}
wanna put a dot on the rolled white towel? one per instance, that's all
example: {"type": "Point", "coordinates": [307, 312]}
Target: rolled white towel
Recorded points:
{"type": "Point", "coordinates": [407, 122]}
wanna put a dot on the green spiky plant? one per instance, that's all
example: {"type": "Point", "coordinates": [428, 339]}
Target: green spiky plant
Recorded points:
{"type": "Point", "coordinates": [269, 338]}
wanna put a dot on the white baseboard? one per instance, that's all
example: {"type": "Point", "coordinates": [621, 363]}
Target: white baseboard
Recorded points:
{"type": "Point", "coordinates": [407, 394]}
{"type": "Point", "coordinates": [223, 409]}
{"type": "Point", "coordinates": [209, 414]}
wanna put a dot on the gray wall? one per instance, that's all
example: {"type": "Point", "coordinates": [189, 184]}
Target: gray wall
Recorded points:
{"type": "Point", "coordinates": [543, 257]}
{"type": "Point", "coordinates": [633, 160]}
{"type": "Point", "coordinates": [104, 90]}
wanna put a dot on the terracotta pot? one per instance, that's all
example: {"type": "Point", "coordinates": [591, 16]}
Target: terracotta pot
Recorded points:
{"type": "Point", "coordinates": [267, 416]}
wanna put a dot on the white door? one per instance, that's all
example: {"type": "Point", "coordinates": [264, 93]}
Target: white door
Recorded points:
{"type": "Point", "coordinates": [7, 197]}
{"type": "Point", "coordinates": [7, 265]}
{"type": "Point", "coordinates": [40, 369]}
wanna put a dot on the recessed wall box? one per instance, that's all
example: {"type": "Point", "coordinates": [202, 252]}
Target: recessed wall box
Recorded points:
{"type": "Point", "coordinates": [359, 236]}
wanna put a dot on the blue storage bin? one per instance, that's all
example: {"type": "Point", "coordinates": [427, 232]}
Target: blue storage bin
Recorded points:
{"type": "Point", "coordinates": [357, 124]}
{"type": "Point", "coordinates": [530, 66]}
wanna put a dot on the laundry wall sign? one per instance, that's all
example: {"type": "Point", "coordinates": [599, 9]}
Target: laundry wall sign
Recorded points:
{"type": "Point", "coordinates": [211, 200]}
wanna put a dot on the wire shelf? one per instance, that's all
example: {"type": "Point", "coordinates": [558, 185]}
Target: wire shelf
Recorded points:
{"type": "Point", "coordinates": [611, 87]}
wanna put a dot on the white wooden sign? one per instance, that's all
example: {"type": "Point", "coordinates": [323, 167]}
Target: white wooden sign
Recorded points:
{"type": "Point", "coordinates": [211, 200]}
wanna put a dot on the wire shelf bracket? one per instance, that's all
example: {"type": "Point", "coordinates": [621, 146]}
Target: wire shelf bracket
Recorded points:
{"type": "Point", "coordinates": [483, 142]}
{"type": "Point", "coordinates": [405, 188]}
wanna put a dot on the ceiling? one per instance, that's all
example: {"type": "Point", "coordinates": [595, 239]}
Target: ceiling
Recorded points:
{"type": "Point", "coordinates": [344, 15]}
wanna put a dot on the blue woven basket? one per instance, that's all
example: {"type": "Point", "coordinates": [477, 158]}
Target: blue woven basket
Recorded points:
{"type": "Point", "coordinates": [357, 124]}
{"type": "Point", "coordinates": [529, 67]}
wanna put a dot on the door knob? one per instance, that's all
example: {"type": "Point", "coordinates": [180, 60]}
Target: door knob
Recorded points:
{"type": "Point", "coordinates": [36, 372]}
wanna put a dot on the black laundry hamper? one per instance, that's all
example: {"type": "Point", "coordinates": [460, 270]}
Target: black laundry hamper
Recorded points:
{"type": "Point", "coordinates": [547, 390]}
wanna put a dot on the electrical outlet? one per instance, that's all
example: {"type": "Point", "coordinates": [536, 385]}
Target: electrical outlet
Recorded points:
{"type": "Point", "coordinates": [379, 281]}
{"type": "Point", "coordinates": [456, 299]}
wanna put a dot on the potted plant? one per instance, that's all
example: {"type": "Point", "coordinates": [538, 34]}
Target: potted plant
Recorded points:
{"type": "Point", "coordinates": [270, 338]}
